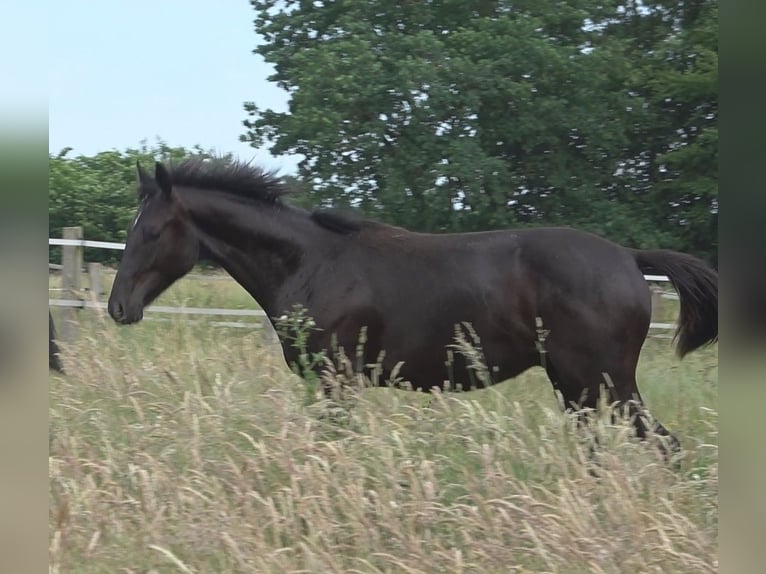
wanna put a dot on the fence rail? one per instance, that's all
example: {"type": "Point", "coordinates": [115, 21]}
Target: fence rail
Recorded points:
{"type": "Point", "coordinates": [85, 304]}
{"type": "Point", "coordinates": [159, 309]}
{"type": "Point", "coordinates": [86, 243]}
{"type": "Point", "coordinates": [72, 266]}
{"type": "Point", "coordinates": [121, 246]}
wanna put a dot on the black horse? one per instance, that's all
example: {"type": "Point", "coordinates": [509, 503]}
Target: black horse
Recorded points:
{"type": "Point", "coordinates": [568, 300]}
{"type": "Point", "coordinates": [54, 361]}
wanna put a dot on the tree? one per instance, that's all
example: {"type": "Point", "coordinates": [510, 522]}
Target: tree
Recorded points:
{"type": "Point", "coordinates": [460, 115]}
{"type": "Point", "coordinates": [481, 113]}
{"type": "Point", "coordinates": [97, 193]}
{"type": "Point", "coordinates": [670, 167]}
{"type": "Point", "coordinates": [687, 94]}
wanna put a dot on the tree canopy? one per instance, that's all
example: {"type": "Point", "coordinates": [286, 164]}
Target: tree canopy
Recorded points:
{"type": "Point", "coordinates": [476, 114]}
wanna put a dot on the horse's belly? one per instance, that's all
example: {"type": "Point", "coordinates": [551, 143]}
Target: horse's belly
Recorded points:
{"type": "Point", "coordinates": [445, 362]}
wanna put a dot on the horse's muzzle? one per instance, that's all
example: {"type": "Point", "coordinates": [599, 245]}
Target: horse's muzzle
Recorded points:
{"type": "Point", "coordinates": [120, 314]}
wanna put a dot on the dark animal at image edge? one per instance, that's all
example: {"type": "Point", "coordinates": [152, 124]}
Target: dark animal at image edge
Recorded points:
{"type": "Point", "coordinates": [410, 290]}
{"type": "Point", "coordinates": [54, 362]}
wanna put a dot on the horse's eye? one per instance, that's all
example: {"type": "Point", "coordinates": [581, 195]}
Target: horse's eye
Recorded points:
{"type": "Point", "coordinates": [150, 234]}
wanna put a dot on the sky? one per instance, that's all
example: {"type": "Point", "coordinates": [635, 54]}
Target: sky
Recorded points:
{"type": "Point", "coordinates": [123, 71]}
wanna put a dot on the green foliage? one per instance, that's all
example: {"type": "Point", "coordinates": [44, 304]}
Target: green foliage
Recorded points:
{"type": "Point", "coordinates": [673, 157]}
{"type": "Point", "coordinates": [98, 193]}
{"type": "Point", "coordinates": [482, 114]}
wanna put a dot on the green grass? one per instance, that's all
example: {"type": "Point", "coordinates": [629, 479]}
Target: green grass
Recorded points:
{"type": "Point", "coordinates": [177, 447]}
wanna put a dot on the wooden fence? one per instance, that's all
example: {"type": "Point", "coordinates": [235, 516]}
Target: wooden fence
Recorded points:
{"type": "Point", "coordinates": [72, 269]}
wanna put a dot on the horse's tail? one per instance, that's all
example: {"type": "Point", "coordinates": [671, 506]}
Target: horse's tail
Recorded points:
{"type": "Point", "coordinates": [697, 286]}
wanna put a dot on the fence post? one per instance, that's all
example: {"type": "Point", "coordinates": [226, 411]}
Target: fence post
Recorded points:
{"type": "Point", "coordinates": [656, 299]}
{"type": "Point", "coordinates": [96, 284]}
{"type": "Point", "coordinates": [71, 264]}
{"type": "Point", "coordinates": [269, 333]}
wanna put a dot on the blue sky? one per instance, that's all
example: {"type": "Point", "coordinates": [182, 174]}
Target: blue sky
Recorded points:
{"type": "Point", "coordinates": [125, 70]}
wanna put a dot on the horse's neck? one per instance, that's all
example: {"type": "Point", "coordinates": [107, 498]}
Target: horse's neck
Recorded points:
{"type": "Point", "coordinates": [259, 246]}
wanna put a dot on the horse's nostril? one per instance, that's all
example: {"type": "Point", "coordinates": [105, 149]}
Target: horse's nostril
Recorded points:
{"type": "Point", "coordinates": [116, 311]}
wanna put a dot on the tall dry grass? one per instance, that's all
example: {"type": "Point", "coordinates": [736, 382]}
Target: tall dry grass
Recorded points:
{"type": "Point", "coordinates": [174, 448]}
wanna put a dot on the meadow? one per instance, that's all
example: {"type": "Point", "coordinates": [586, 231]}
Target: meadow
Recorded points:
{"type": "Point", "coordinates": [180, 447]}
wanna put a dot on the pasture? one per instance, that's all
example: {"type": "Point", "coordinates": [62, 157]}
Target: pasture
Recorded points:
{"type": "Point", "coordinates": [176, 447]}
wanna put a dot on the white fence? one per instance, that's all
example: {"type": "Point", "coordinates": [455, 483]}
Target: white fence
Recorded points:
{"type": "Point", "coordinates": [75, 241]}
{"type": "Point", "coordinates": [71, 269]}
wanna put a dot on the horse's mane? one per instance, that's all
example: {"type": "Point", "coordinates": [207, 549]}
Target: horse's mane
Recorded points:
{"type": "Point", "coordinates": [345, 222]}
{"type": "Point", "coordinates": [337, 221]}
{"type": "Point", "coordinates": [248, 181]}
{"type": "Point", "coordinates": [232, 176]}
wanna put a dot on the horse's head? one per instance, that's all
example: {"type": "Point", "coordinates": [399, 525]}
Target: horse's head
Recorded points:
{"type": "Point", "coordinates": [161, 247]}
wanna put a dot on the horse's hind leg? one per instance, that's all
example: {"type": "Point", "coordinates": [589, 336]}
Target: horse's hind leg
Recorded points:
{"type": "Point", "coordinates": [572, 398]}
{"type": "Point", "coordinates": [579, 381]}
{"type": "Point", "coordinates": [567, 394]}
{"type": "Point", "coordinates": [668, 444]}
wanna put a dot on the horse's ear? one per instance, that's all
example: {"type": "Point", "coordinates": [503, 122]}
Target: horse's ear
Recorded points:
{"type": "Point", "coordinates": [162, 177]}
{"type": "Point", "coordinates": [145, 182]}
{"type": "Point", "coordinates": [142, 177]}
